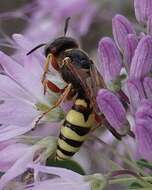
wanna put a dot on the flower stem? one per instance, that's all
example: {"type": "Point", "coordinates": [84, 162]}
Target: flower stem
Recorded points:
{"type": "Point", "coordinates": [131, 180]}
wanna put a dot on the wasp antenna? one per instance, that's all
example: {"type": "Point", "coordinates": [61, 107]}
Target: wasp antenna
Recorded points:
{"type": "Point", "coordinates": [66, 25]}
{"type": "Point", "coordinates": [35, 48]}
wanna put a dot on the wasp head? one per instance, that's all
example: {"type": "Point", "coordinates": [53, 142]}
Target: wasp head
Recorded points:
{"type": "Point", "coordinates": [59, 45]}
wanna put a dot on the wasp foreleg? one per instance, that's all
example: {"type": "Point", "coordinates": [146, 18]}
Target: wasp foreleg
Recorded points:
{"type": "Point", "coordinates": [46, 67]}
{"type": "Point", "coordinates": [53, 87]}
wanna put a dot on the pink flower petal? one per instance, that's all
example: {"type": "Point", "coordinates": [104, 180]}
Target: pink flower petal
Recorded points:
{"type": "Point", "coordinates": [111, 63]}
{"type": "Point", "coordinates": [13, 90]}
{"type": "Point", "coordinates": [46, 129]}
{"type": "Point", "coordinates": [47, 185]}
{"type": "Point", "coordinates": [142, 60]}
{"type": "Point", "coordinates": [12, 131]}
{"type": "Point", "coordinates": [121, 27]}
{"type": "Point", "coordinates": [32, 65]}
{"type": "Point", "coordinates": [62, 172]}
{"type": "Point", "coordinates": [16, 112]}
{"type": "Point", "coordinates": [15, 150]}
{"type": "Point", "coordinates": [22, 76]}
{"type": "Point", "coordinates": [19, 167]}
{"type": "Point", "coordinates": [27, 45]}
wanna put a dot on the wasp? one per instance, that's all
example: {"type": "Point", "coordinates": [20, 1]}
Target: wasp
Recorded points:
{"type": "Point", "coordinates": [82, 79]}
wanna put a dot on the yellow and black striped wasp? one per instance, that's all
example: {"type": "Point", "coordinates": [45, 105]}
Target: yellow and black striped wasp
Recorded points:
{"type": "Point", "coordinates": [83, 80]}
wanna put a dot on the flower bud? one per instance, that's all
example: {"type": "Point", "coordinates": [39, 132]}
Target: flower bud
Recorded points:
{"type": "Point", "coordinates": [142, 10]}
{"type": "Point", "coordinates": [142, 60]}
{"type": "Point", "coordinates": [143, 129]}
{"type": "Point", "coordinates": [130, 44]}
{"type": "Point", "coordinates": [113, 110]}
{"type": "Point", "coordinates": [148, 86]}
{"type": "Point", "coordinates": [121, 26]}
{"type": "Point", "coordinates": [136, 93]}
{"type": "Point", "coordinates": [110, 60]}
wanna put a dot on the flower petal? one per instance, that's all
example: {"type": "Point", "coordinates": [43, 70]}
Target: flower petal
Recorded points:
{"type": "Point", "coordinates": [62, 172]}
{"type": "Point", "coordinates": [142, 60]}
{"type": "Point", "coordinates": [27, 45]}
{"type": "Point", "coordinates": [12, 131]}
{"type": "Point", "coordinates": [16, 112]}
{"type": "Point", "coordinates": [113, 110]}
{"type": "Point", "coordinates": [143, 127]}
{"type": "Point", "coordinates": [136, 93]}
{"type": "Point", "coordinates": [121, 27]}
{"type": "Point", "coordinates": [111, 62]}
{"type": "Point", "coordinates": [130, 44]}
{"type": "Point", "coordinates": [148, 86]}
{"type": "Point", "coordinates": [11, 89]}
{"type": "Point", "coordinates": [142, 10]}
{"type": "Point", "coordinates": [16, 150]}
{"type": "Point", "coordinates": [19, 167]}
{"type": "Point", "coordinates": [49, 184]}
{"type": "Point", "coordinates": [22, 76]}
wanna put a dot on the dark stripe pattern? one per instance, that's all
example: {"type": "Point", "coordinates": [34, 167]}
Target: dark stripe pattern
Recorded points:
{"type": "Point", "coordinates": [81, 109]}
{"type": "Point", "coordinates": [65, 152]}
{"type": "Point", "coordinates": [71, 142]}
{"type": "Point", "coordinates": [81, 131]}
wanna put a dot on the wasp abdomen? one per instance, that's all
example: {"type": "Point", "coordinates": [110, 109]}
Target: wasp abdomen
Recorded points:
{"type": "Point", "coordinates": [75, 129]}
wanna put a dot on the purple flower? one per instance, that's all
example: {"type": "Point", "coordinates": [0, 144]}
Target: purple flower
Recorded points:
{"type": "Point", "coordinates": [143, 127]}
{"type": "Point", "coordinates": [149, 25]}
{"type": "Point", "coordinates": [135, 92]}
{"type": "Point", "coordinates": [110, 60]}
{"type": "Point", "coordinates": [130, 44]}
{"type": "Point", "coordinates": [22, 97]}
{"type": "Point", "coordinates": [121, 27]}
{"type": "Point", "coordinates": [16, 150]}
{"type": "Point", "coordinates": [51, 23]}
{"type": "Point", "coordinates": [60, 178]}
{"type": "Point", "coordinates": [112, 108]}
{"type": "Point", "coordinates": [142, 10]}
{"type": "Point", "coordinates": [148, 86]}
{"type": "Point", "coordinates": [67, 180]}
{"type": "Point", "coordinates": [142, 61]}
{"type": "Point", "coordinates": [38, 153]}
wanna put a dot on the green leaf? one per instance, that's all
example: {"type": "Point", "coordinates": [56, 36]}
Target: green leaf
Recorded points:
{"type": "Point", "coordinates": [135, 185]}
{"type": "Point", "coordinates": [144, 164]}
{"type": "Point", "coordinates": [68, 164]}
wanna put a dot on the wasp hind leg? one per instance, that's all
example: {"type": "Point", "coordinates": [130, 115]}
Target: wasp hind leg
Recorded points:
{"type": "Point", "coordinates": [61, 99]}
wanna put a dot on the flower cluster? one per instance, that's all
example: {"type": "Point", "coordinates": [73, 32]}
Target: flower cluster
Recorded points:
{"type": "Point", "coordinates": [131, 54]}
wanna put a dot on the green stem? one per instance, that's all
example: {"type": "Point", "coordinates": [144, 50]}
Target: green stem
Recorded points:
{"type": "Point", "coordinates": [130, 163]}
{"type": "Point", "coordinates": [131, 180]}
{"type": "Point", "coordinates": [149, 188]}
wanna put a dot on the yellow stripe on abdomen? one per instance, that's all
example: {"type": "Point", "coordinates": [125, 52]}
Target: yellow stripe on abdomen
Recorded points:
{"type": "Point", "coordinates": [77, 118]}
{"type": "Point", "coordinates": [75, 129]}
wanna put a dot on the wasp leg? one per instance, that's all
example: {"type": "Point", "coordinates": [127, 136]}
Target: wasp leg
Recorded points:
{"type": "Point", "coordinates": [46, 67]}
{"type": "Point", "coordinates": [49, 60]}
{"type": "Point", "coordinates": [52, 87]}
{"type": "Point", "coordinates": [57, 103]}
